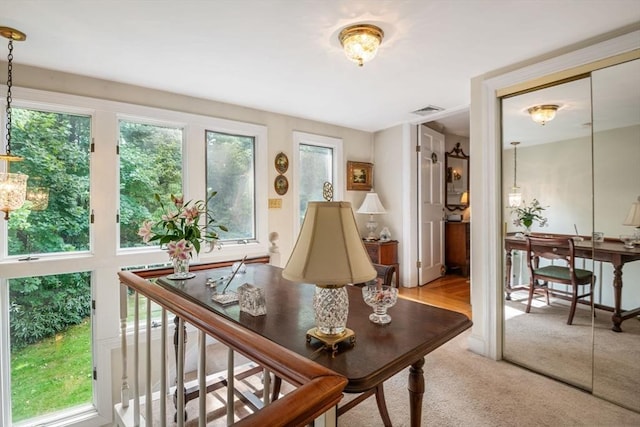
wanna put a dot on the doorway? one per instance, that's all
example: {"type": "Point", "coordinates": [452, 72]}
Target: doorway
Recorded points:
{"type": "Point", "coordinates": [455, 126]}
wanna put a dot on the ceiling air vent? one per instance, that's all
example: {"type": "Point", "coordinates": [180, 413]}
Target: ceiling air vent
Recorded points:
{"type": "Point", "coordinates": [429, 109]}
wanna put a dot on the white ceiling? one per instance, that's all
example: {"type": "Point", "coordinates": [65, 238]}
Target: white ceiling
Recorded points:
{"type": "Point", "coordinates": [284, 55]}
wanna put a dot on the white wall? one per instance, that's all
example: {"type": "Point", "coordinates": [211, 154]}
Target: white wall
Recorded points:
{"type": "Point", "coordinates": [389, 176]}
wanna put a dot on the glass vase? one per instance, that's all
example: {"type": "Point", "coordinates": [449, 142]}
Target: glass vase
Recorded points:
{"type": "Point", "coordinates": [181, 269]}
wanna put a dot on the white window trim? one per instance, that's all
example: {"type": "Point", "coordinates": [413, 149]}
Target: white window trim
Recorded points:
{"type": "Point", "coordinates": [303, 138]}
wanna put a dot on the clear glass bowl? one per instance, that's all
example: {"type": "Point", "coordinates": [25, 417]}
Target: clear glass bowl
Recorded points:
{"type": "Point", "coordinates": [380, 298]}
{"type": "Point", "coordinates": [628, 241]}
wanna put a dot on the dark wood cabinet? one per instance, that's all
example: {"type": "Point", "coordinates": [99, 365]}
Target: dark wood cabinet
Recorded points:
{"type": "Point", "coordinates": [457, 247]}
{"type": "Point", "coordinates": [385, 253]}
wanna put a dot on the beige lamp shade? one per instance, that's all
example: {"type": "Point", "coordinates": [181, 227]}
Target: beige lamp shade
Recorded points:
{"type": "Point", "coordinates": [329, 250]}
{"type": "Point", "coordinates": [633, 217]}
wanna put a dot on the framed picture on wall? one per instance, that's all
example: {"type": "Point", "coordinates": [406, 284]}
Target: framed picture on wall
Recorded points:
{"type": "Point", "coordinates": [359, 176]}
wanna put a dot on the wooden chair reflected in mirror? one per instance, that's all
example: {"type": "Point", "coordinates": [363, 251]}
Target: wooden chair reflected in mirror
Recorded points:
{"type": "Point", "coordinates": [557, 249]}
{"type": "Point", "coordinates": [385, 273]}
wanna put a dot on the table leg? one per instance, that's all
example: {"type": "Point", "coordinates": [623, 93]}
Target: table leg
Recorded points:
{"type": "Point", "coordinates": [507, 278]}
{"type": "Point", "coordinates": [416, 390]}
{"type": "Point", "coordinates": [616, 317]}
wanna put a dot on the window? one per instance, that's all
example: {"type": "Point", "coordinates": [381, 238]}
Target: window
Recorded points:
{"type": "Point", "coordinates": [230, 173]}
{"type": "Point", "coordinates": [319, 161]}
{"type": "Point", "coordinates": [55, 147]}
{"type": "Point", "coordinates": [140, 151]}
{"type": "Point", "coordinates": [51, 354]}
{"type": "Point", "coordinates": [150, 163]}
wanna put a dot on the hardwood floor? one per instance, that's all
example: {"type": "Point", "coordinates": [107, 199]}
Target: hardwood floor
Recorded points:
{"type": "Point", "coordinates": [452, 292]}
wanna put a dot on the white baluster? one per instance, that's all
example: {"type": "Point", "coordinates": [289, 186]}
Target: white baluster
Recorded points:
{"type": "Point", "coordinates": [180, 374]}
{"type": "Point", "coordinates": [136, 361]}
{"type": "Point", "coordinates": [230, 386]}
{"type": "Point", "coordinates": [163, 371]}
{"type": "Point", "coordinates": [149, 397]}
{"type": "Point", "coordinates": [202, 379]}
{"type": "Point", "coordinates": [124, 391]}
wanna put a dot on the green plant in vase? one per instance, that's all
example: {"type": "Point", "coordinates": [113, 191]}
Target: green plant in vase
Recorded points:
{"type": "Point", "coordinates": [526, 215]}
{"type": "Point", "coordinates": [181, 232]}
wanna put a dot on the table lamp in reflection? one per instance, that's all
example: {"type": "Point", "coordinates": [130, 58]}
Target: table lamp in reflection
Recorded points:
{"type": "Point", "coordinates": [330, 254]}
{"type": "Point", "coordinates": [633, 219]}
{"type": "Point", "coordinates": [464, 199]}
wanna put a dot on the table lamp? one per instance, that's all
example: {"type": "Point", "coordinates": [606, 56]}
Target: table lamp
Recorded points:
{"type": "Point", "coordinates": [372, 206]}
{"type": "Point", "coordinates": [464, 199]}
{"type": "Point", "coordinates": [633, 218]}
{"type": "Point", "coordinates": [330, 254]}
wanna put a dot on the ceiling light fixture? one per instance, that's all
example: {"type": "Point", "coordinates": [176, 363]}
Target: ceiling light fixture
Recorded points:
{"type": "Point", "coordinates": [360, 42]}
{"type": "Point", "coordinates": [515, 196]}
{"type": "Point", "coordinates": [542, 114]}
{"type": "Point", "coordinates": [13, 186]}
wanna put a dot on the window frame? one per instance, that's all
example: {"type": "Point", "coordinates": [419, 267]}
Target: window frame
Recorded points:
{"type": "Point", "coordinates": [60, 108]}
{"type": "Point", "coordinates": [222, 241]}
{"type": "Point", "coordinates": [336, 144]}
{"type": "Point", "coordinates": [149, 122]}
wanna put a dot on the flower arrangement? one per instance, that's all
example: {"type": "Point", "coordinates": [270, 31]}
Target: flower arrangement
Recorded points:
{"type": "Point", "coordinates": [527, 214]}
{"type": "Point", "coordinates": [179, 229]}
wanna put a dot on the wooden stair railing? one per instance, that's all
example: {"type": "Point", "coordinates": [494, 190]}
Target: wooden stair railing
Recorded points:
{"type": "Point", "coordinates": [317, 389]}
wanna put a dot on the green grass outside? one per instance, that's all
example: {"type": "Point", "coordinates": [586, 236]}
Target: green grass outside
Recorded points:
{"type": "Point", "coordinates": [56, 373]}
{"type": "Point", "coordinates": [53, 374]}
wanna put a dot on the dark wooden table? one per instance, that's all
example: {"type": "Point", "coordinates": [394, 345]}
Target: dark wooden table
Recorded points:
{"type": "Point", "coordinates": [612, 251]}
{"type": "Point", "coordinates": [379, 353]}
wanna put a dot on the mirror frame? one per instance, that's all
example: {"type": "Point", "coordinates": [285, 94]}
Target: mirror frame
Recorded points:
{"type": "Point", "coordinates": [456, 153]}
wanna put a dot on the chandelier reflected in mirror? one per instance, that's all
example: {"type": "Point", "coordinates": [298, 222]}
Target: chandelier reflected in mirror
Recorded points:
{"type": "Point", "coordinates": [542, 114]}
{"type": "Point", "coordinates": [515, 196]}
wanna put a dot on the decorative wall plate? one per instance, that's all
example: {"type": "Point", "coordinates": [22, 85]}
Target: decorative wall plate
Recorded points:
{"type": "Point", "coordinates": [281, 163]}
{"type": "Point", "coordinates": [281, 185]}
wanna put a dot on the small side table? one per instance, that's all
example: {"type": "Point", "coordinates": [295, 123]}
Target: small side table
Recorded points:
{"type": "Point", "coordinates": [385, 253]}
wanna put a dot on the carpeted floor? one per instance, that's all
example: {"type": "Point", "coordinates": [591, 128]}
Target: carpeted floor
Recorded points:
{"type": "Point", "coordinates": [465, 389]}
{"type": "Point", "coordinates": [544, 342]}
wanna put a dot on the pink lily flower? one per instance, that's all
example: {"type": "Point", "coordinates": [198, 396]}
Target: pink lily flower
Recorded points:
{"type": "Point", "coordinates": [145, 231]}
{"type": "Point", "coordinates": [181, 249]}
{"type": "Point", "coordinates": [177, 200]}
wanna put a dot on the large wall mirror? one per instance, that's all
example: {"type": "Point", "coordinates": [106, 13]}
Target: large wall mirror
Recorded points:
{"type": "Point", "coordinates": [457, 180]}
{"type": "Point", "coordinates": [578, 175]}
